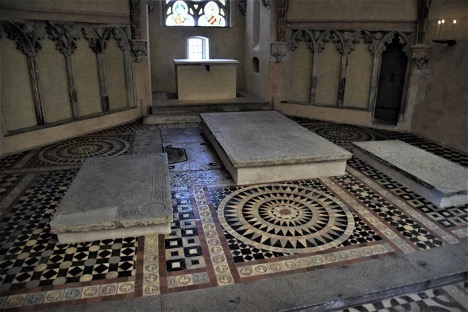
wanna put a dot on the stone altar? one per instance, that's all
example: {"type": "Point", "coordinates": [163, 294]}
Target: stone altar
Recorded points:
{"type": "Point", "coordinates": [208, 79]}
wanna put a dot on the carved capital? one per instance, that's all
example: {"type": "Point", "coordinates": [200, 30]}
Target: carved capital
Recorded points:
{"type": "Point", "coordinates": [64, 36]}
{"type": "Point", "coordinates": [139, 49]}
{"type": "Point", "coordinates": [25, 36]}
{"type": "Point", "coordinates": [97, 37]}
{"type": "Point", "coordinates": [421, 54]}
{"type": "Point", "coordinates": [120, 35]}
{"type": "Point", "coordinates": [243, 6]}
{"type": "Point", "coordinates": [278, 50]}
{"type": "Point", "coordinates": [266, 3]}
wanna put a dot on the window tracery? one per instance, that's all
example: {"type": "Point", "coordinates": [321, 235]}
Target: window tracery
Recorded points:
{"type": "Point", "coordinates": [203, 13]}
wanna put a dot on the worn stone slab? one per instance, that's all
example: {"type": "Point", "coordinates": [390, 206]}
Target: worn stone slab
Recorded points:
{"type": "Point", "coordinates": [265, 146]}
{"type": "Point", "coordinates": [116, 197]}
{"type": "Point", "coordinates": [438, 180]}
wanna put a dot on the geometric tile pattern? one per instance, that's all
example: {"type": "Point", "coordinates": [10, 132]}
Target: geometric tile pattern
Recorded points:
{"type": "Point", "coordinates": [360, 216]}
{"type": "Point", "coordinates": [9, 162]}
{"type": "Point", "coordinates": [448, 217]}
{"type": "Point", "coordinates": [406, 226]}
{"type": "Point", "coordinates": [32, 257]}
{"type": "Point", "coordinates": [343, 135]}
{"type": "Point", "coordinates": [8, 182]}
{"type": "Point", "coordinates": [183, 249]}
{"type": "Point", "coordinates": [286, 218]}
{"type": "Point", "coordinates": [430, 300]}
{"type": "Point", "coordinates": [75, 151]}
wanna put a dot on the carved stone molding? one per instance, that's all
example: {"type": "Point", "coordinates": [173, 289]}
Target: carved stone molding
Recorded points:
{"type": "Point", "coordinates": [119, 34]}
{"type": "Point", "coordinates": [243, 6]}
{"type": "Point", "coordinates": [65, 36]}
{"type": "Point", "coordinates": [25, 36]}
{"type": "Point", "coordinates": [421, 54]}
{"type": "Point", "coordinates": [97, 37]}
{"type": "Point", "coordinates": [28, 42]}
{"type": "Point", "coordinates": [135, 19]}
{"type": "Point", "coordinates": [278, 50]}
{"type": "Point", "coordinates": [345, 42]}
{"type": "Point", "coordinates": [139, 49]}
{"type": "Point", "coordinates": [282, 27]}
{"type": "Point", "coordinates": [266, 3]}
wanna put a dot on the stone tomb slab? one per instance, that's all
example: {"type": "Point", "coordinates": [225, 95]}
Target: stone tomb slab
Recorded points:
{"type": "Point", "coordinates": [266, 146]}
{"type": "Point", "coordinates": [116, 197]}
{"type": "Point", "coordinates": [438, 180]}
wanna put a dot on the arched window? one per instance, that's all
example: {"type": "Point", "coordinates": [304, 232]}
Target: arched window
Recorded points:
{"type": "Point", "coordinates": [203, 13]}
{"type": "Point", "coordinates": [198, 48]}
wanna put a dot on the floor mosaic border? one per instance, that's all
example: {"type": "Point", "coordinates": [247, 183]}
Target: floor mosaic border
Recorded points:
{"type": "Point", "coordinates": [211, 256]}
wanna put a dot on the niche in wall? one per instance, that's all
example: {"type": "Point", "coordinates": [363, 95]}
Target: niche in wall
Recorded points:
{"type": "Point", "coordinates": [255, 65]}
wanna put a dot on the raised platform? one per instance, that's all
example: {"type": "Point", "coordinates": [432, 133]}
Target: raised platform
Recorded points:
{"type": "Point", "coordinates": [116, 197]}
{"type": "Point", "coordinates": [265, 146]}
{"type": "Point", "coordinates": [438, 180]}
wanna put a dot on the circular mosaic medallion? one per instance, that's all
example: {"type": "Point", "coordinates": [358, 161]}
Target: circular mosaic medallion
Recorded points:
{"type": "Point", "coordinates": [341, 133]}
{"type": "Point", "coordinates": [75, 151]}
{"type": "Point", "coordinates": [286, 218]}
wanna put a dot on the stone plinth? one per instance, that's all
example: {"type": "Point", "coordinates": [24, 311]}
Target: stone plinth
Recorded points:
{"type": "Point", "coordinates": [438, 180]}
{"type": "Point", "coordinates": [212, 79]}
{"type": "Point", "coordinates": [265, 146]}
{"type": "Point", "coordinates": [116, 197]}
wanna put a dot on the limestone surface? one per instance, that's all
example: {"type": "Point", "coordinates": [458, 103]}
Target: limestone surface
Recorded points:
{"type": "Point", "coordinates": [112, 193]}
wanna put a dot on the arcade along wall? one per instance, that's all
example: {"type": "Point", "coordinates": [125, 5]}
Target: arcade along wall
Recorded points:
{"type": "Point", "coordinates": [66, 68]}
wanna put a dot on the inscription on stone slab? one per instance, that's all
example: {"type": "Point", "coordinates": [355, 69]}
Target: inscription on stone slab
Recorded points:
{"type": "Point", "coordinates": [116, 192]}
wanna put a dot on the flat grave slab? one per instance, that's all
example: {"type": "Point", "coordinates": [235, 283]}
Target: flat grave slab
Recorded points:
{"type": "Point", "coordinates": [116, 197]}
{"type": "Point", "coordinates": [438, 180]}
{"type": "Point", "coordinates": [266, 146]}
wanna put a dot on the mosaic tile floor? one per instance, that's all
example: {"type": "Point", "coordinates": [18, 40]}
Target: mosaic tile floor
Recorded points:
{"type": "Point", "coordinates": [222, 233]}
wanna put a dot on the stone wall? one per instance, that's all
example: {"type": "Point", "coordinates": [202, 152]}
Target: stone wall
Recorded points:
{"type": "Point", "coordinates": [66, 69]}
{"type": "Point", "coordinates": [332, 68]}
{"type": "Point", "coordinates": [441, 110]}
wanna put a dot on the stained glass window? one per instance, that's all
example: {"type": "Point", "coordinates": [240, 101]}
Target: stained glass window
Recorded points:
{"type": "Point", "coordinates": [204, 13]}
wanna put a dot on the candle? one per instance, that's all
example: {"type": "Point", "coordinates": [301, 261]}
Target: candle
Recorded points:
{"type": "Point", "coordinates": [451, 30]}
{"type": "Point", "coordinates": [441, 27]}
{"type": "Point", "coordinates": [438, 29]}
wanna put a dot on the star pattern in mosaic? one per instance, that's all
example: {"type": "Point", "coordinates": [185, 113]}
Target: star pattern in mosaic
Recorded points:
{"type": "Point", "coordinates": [286, 218]}
{"type": "Point", "coordinates": [75, 151]}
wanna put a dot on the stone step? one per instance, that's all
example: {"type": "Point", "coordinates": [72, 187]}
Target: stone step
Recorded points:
{"type": "Point", "coordinates": [265, 146]}
{"type": "Point", "coordinates": [116, 197]}
{"type": "Point", "coordinates": [438, 180]}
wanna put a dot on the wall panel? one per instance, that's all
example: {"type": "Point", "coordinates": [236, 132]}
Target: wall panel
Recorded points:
{"type": "Point", "coordinates": [86, 79]}
{"type": "Point", "coordinates": [115, 75]}
{"type": "Point", "coordinates": [358, 77]}
{"type": "Point", "coordinates": [16, 96]}
{"type": "Point", "coordinates": [300, 74]}
{"type": "Point", "coordinates": [328, 75]}
{"type": "Point", "coordinates": [53, 83]}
